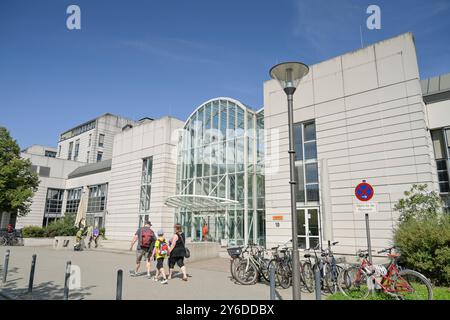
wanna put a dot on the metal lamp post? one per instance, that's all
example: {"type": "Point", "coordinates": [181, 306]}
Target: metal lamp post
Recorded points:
{"type": "Point", "coordinates": [288, 75]}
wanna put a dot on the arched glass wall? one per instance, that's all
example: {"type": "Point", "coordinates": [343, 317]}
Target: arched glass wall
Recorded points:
{"type": "Point", "coordinates": [220, 155]}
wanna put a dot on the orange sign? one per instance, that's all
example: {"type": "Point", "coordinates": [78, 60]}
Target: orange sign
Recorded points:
{"type": "Point", "coordinates": [277, 217]}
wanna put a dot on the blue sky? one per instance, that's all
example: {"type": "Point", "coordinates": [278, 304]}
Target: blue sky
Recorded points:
{"type": "Point", "coordinates": [151, 58]}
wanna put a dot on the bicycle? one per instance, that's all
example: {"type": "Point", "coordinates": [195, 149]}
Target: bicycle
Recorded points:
{"type": "Point", "coordinates": [359, 280]}
{"type": "Point", "coordinates": [249, 269]}
{"type": "Point", "coordinates": [9, 240]}
{"type": "Point", "coordinates": [328, 268]}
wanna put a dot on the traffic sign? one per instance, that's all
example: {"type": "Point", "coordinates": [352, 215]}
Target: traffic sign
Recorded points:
{"type": "Point", "coordinates": [364, 191]}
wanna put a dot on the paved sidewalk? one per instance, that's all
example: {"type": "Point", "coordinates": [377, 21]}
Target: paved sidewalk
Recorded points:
{"type": "Point", "coordinates": [209, 279]}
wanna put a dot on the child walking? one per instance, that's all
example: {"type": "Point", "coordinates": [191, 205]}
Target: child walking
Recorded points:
{"type": "Point", "coordinates": [160, 251]}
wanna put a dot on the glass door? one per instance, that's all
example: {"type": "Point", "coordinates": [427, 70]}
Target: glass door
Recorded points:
{"type": "Point", "coordinates": [308, 228]}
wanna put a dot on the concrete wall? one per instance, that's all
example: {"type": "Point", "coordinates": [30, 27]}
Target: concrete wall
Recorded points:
{"type": "Point", "coordinates": [155, 139]}
{"type": "Point", "coordinates": [438, 114]}
{"type": "Point", "coordinates": [59, 170]}
{"type": "Point", "coordinates": [370, 124]}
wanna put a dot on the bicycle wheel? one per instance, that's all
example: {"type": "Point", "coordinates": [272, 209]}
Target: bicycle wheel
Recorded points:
{"type": "Point", "coordinates": [353, 283]}
{"type": "Point", "coordinates": [283, 274]}
{"type": "Point", "coordinates": [412, 285]}
{"type": "Point", "coordinates": [265, 271]}
{"type": "Point", "coordinates": [308, 276]}
{"type": "Point", "coordinates": [233, 265]}
{"type": "Point", "coordinates": [331, 277]}
{"type": "Point", "coordinates": [246, 272]}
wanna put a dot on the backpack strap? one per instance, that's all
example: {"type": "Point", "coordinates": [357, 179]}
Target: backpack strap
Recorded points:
{"type": "Point", "coordinates": [179, 236]}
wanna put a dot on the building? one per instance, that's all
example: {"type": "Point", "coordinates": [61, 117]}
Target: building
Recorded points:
{"type": "Point", "coordinates": [436, 95]}
{"type": "Point", "coordinates": [91, 141]}
{"type": "Point", "coordinates": [365, 115]}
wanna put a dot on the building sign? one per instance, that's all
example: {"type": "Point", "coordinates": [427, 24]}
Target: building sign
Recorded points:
{"type": "Point", "coordinates": [277, 218]}
{"type": "Point", "coordinates": [366, 207]}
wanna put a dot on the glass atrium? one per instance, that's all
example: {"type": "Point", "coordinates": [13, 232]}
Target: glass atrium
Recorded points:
{"type": "Point", "coordinates": [220, 178]}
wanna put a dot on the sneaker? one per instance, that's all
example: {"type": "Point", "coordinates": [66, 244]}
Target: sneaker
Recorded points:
{"type": "Point", "coordinates": [132, 273]}
{"type": "Point", "coordinates": [164, 281]}
{"type": "Point", "coordinates": [149, 276]}
{"type": "Point", "coordinates": [155, 279]}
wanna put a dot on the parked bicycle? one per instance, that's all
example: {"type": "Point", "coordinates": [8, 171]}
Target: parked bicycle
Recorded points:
{"type": "Point", "coordinates": [359, 280]}
{"type": "Point", "coordinates": [251, 264]}
{"type": "Point", "coordinates": [328, 267]}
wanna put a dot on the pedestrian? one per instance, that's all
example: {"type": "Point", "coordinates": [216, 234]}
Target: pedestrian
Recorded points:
{"type": "Point", "coordinates": [177, 252]}
{"type": "Point", "coordinates": [160, 251]}
{"type": "Point", "coordinates": [205, 232]}
{"type": "Point", "coordinates": [145, 237]}
{"type": "Point", "coordinates": [94, 235]}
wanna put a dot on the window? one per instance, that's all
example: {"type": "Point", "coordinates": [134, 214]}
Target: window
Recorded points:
{"type": "Point", "coordinates": [101, 140]}
{"type": "Point", "coordinates": [146, 184]}
{"type": "Point", "coordinates": [59, 151]}
{"type": "Point", "coordinates": [99, 156]}
{"type": "Point", "coordinates": [44, 171]}
{"type": "Point", "coordinates": [53, 202]}
{"type": "Point", "coordinates": [441, 145]}
{"type": "Point", "coordinates": [77, 149]}
{"type": "Point", "coordinates": [97, 198]}
{"type": "Point", "coordinates": [69, 156]}
{"type": "Point", "coordinates": [50, 154]}
{"type": "Point", "coordinates": [87, 156]}
{"type": "Point", "coordinates": [90, 138]}
{"type": "Point", "coordinates": [306, 167]}
{"type": "Point", "coordinates": [34, 168]}
{"type": "Point", "coordinates": [73, 200]}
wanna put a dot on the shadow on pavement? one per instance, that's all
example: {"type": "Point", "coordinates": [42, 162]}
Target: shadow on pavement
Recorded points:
{"type": "Point", "coordinates": [43, 291]}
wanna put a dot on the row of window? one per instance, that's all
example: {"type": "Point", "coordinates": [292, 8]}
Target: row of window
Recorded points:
{"type": "Point", "coordinates": [96, 199]}
{"type": "Point", "coordinates": [76, 150]}
{"type": "Point", "coordinates": [78, 130]}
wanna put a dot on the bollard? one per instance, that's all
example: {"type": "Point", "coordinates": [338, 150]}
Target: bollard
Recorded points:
{"type": "Point", "coordinates": [272, 282]}
{"type": "Point", "coordinates": [66, 280]}
{"type": "Point", "coordinates": [317, 283]}
{"type": "Point", "coordinates": [119, 284]}
{"type": "Point", "coordinates": [33, 266]}
{"type": "Point", "coordinates": [5, 266]}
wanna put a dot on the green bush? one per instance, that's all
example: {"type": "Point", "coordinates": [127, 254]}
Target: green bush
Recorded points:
{"type": "Point", "coordinates": [425, 247]}
{"type": "Point", "coordinates": [102, 232]}
{"type": "Point", "coordinates": [33, 232]}
{"type": "Point", "coordinates": [423, 234]}
{"type": "Point", "coordinates": [62, 227]}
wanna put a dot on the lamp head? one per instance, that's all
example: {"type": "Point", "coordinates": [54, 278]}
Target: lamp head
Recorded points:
{"type": "Point", "coordinates": [289, 74]}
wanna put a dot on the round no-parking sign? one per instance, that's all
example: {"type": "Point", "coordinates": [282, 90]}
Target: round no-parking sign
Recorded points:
{"type": "Point", "coordinates": [364, 191]}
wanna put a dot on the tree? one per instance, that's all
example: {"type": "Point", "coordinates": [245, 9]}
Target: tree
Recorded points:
{"type": "Point", "coordinates": [18, 182]}
{"type": "Point", "coordinates": [419, 204]}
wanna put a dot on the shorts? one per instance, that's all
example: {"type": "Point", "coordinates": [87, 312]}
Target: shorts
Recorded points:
{"type": "Point", "coordinates": [143, 253]}
{"type": "Point", "coordinates": [159, 263]}
{"type": "Point", "coordinates": [178, 260]}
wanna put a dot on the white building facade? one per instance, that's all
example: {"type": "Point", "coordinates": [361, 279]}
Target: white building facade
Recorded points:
{"type": "Point", "coordinates": [359, 116]}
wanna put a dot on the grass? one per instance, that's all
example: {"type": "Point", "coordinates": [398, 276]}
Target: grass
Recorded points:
{"type": "Point", "coordinates": [439, 293]}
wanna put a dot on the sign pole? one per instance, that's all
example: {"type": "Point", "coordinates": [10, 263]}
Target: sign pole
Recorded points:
{"type": "Point", "coordinates": [369, 245]}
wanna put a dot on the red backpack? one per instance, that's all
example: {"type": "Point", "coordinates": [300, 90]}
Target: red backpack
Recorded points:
{"type": "Point", "coordinates": [147, 236]}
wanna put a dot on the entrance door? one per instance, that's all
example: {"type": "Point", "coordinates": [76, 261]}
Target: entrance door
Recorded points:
{"type": "Point", "coordinates": [308, 228]}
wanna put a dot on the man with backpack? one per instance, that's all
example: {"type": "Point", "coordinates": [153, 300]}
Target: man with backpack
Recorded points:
{"type": "Point", "coordinates": [145, 238]}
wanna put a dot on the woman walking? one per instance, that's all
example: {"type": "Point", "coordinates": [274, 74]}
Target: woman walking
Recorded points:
{"type": "Point", "coordinates": [177, 252]}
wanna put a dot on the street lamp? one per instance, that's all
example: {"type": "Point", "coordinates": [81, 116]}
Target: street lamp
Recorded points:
{"type": "Point", "coordinates": [288, 75]}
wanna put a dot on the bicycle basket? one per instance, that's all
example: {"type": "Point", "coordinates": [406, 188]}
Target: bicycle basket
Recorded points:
{"type": "Point", "coordinates": [234, 252]}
